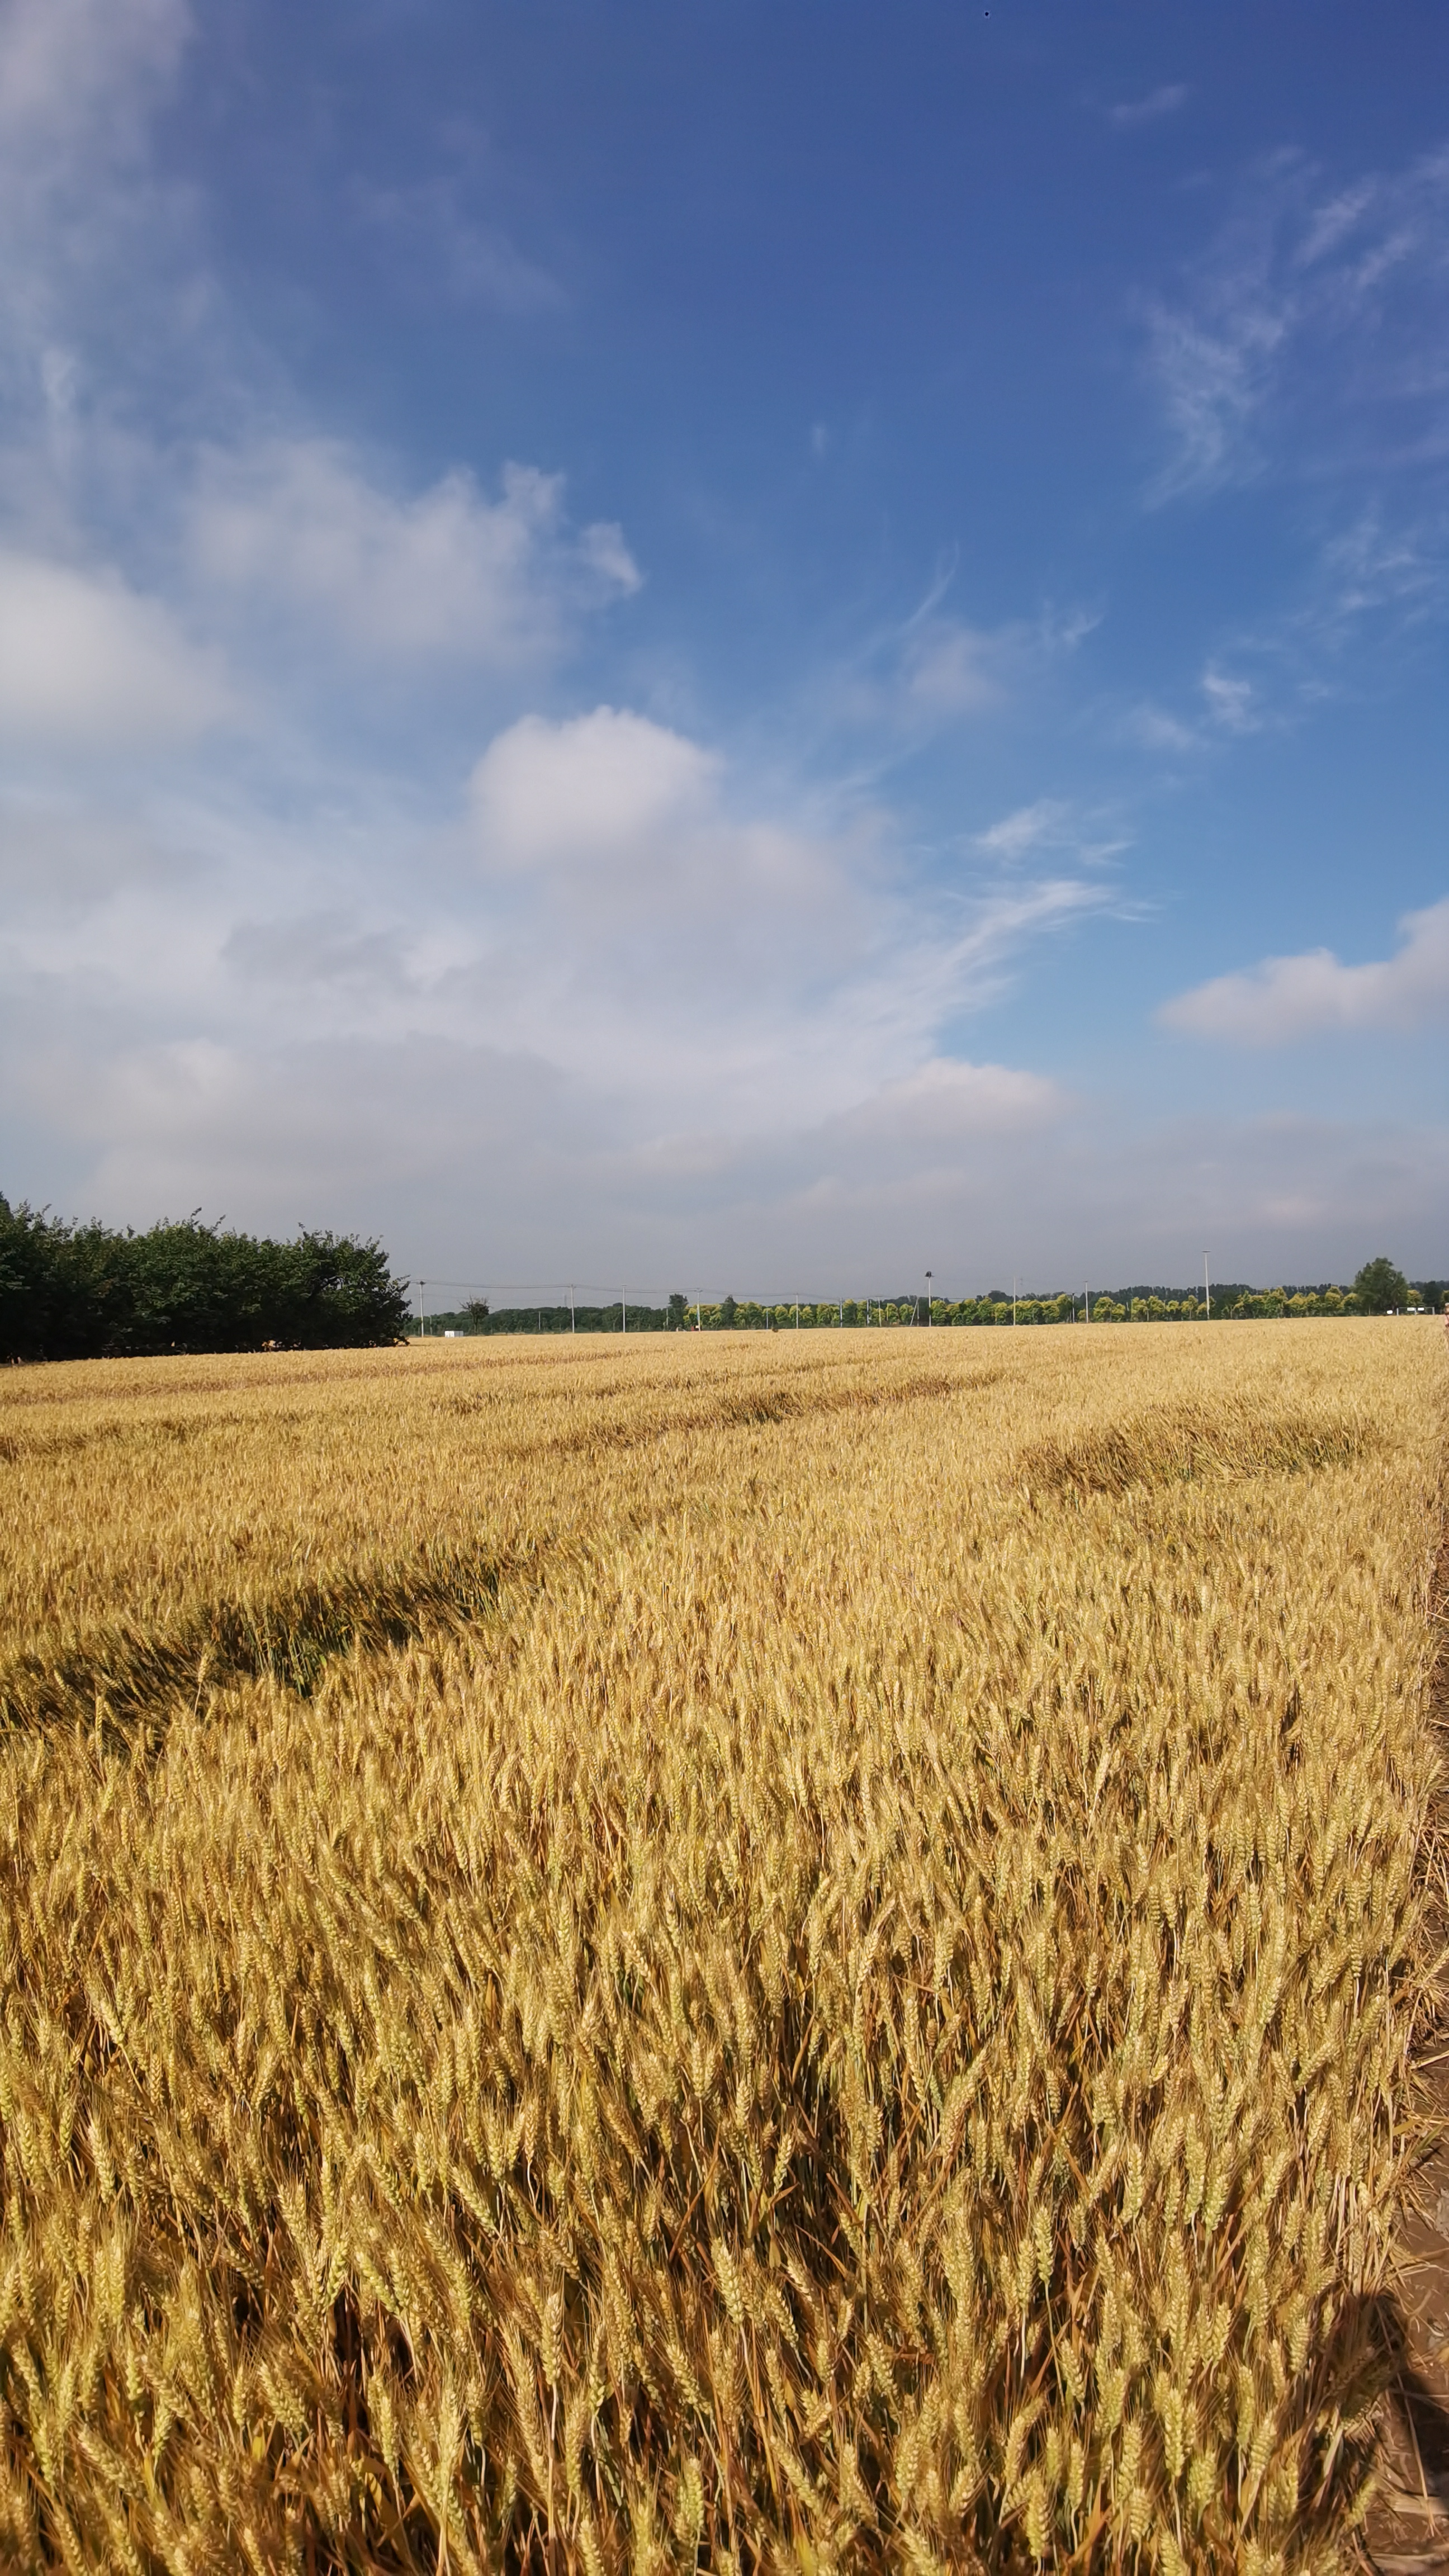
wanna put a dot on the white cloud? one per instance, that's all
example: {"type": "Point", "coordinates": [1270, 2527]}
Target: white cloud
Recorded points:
{"type": "Point", "coordinates": [637, 923]}
{"type": "Point", "coordinates": [1156, 729]}
{"type": "Point", "coordinates": [1287, 998]}
{"type": "Point", "coordinates": [601, 790]}
{"type": "Point", "coordinates": [482, 1162]}
{"type": "Point", "coordinates": [439, 244]}
{"type": "Point", "coordinates": [296, 526]}
{"type": "Point", "coordinates": [79, 83]}
{"type": "Point", "coordinates": [956, 670]}
{"type": "Point", "coordinates": [947, 1103]}
{"type": "Point", "coordinates": [1265, 356]}
{"type": "Point", "coordinates": [69, 67]}
{"type": "Point", "coordinates": [1230, 701]}
{"type": "Point", "coordinates": [1029, 828]}
{"type": "Point", "coordinates": [926, 674]}
{"type": "Point", "coordinates": [87, 663]}
{"type": "Point", "coordinates": [1150, 110]}
{"type": "Point", "coordinates": [1213, 371]}
{"type": "Point", "coordinates": [653, 926]}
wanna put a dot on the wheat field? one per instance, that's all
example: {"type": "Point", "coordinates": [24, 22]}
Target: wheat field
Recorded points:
{"type": "Point", "coordinates": [768, 1952]}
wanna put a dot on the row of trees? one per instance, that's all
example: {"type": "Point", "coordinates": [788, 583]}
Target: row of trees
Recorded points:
{"type": "Point", "coordinates": [622, 1317]}
{"type": "Point", "coordinates": [87, 1292]}
{"type": "Point", "coordinates": [1379, 1289]}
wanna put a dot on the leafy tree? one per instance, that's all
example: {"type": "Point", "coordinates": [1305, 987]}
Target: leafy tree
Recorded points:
{"type": "Point", "coordinates": [81, 1292]}
{"type": "Point", "coordinates": [1379, 1288]}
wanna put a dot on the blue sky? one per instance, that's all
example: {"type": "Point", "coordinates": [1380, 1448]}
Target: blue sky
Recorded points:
{"type": "Point", "coordinates": [730, 645]}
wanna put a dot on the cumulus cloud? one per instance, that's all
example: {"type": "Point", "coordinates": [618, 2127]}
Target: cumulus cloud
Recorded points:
{"type": "Point", "coordinates": [655, 924]}
{"type": "Point", "coordinates": [297, 527]}
{"type": "Point", "coordinates": [637, 920]}
{"type": "Point", "coordinates": [1288, 998]}
{"type": "Point", "coordinates": [86, 663]}
{"type": "Point", "coordinates": [598, 790]}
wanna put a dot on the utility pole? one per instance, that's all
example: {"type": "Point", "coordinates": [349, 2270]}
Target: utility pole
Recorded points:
{"type": "Point", "coordinates": [1207, 1294]}
{"type": "Point", "coordinates": [928, 1296]}
{"type": "Point", "coordinates": [573, 1328]}
{"type": "Point", "coordinates": [1087, 1300]}
{"type": "Point", "coordinates": [623, 1313]}
{"type": "Point", "coordinates": [422, 1309]}
{"type": "Point", "coordinates": [1014, 1285]}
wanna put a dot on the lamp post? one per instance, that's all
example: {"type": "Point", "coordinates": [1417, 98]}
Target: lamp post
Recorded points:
{"type": "Point", "coordinates": [928, 1296]}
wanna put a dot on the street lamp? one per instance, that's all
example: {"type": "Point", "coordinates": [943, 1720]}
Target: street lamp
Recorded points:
{"type": "Point", "coordinates": [928, 1296]}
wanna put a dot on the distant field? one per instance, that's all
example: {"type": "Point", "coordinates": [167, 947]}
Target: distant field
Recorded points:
{"type": "Point", "coordinates": [791, 1952]}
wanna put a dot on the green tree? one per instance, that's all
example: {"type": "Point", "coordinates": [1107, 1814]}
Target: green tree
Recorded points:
{"type": "Point", "coordinates": [678, 1312]}
{"type": "Point", "coordinates": [77, 1292]}
{"type": "Point", "coordinates": [1380, 1289]}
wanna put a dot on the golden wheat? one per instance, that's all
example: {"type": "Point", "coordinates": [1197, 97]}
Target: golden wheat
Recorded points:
{"type": "Point", "coordinates": [772, 1953]}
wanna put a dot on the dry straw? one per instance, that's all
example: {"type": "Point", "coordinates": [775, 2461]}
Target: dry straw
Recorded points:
{"type": "Point", "coordinates": [772, 1957]}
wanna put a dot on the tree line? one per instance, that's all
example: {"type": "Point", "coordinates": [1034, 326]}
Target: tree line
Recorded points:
{"type": "Point", "coordinates": [91, 1292]}
{"type": "Point", "coordinates": [1380, 1288]}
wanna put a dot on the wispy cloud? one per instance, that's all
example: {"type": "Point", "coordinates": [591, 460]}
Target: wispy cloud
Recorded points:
{"type": "Point", "coordinates": [1156, 728]}
{"type": "Point", "coordinates": [949, 669]}
{"type": "Point", "coordinates": [1232, 702]}
{"type": "Point", "coordinates": [1290, 998]}
{"type": "Point", "coordinates": [1031, 827]}
{"type": "Point", "coordinates": [1128, 113]}
{"type": "Point", "coordinates": [1313, 331]}
{"type": "Point", "coordinates": [438, 248]}
{"type": "Point", "coordinates": [919, 677]}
